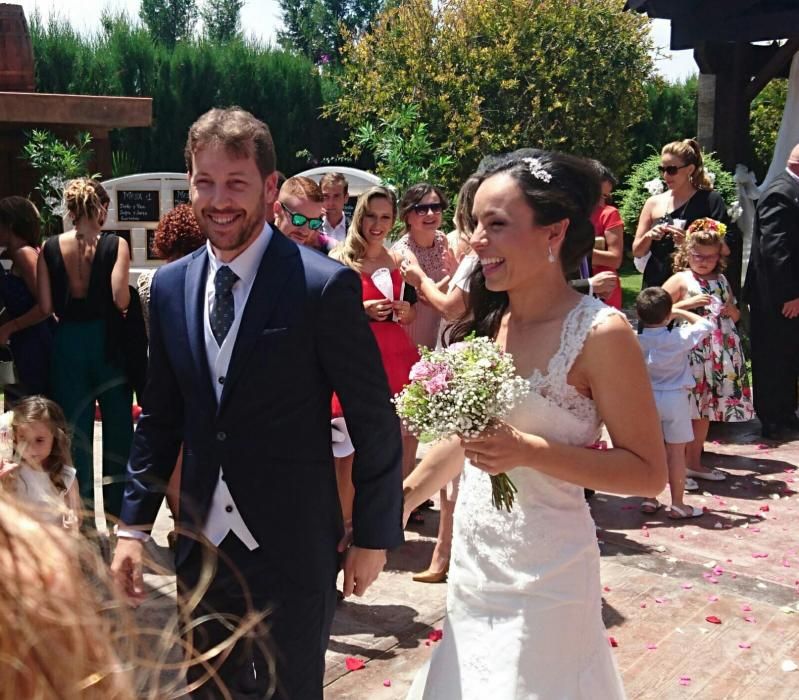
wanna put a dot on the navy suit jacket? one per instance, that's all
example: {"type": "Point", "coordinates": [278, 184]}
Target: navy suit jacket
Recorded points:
{"type": "Point", "coordinates": [303, 335]}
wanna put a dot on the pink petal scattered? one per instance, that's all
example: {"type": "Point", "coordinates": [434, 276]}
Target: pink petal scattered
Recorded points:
{"type": "Point", "coordinates": [606, 589]}
{"type": "Point", "coordinates": [613, 642]}
{"type": "Point", "coordinates": [746, 608]}
{"type": "Point", "coordinates": [713, 598]}
{"type": "Point", "coordinates": [353, 664]}
{"type": "Point", "coordinates": [651, 647]}
{"type": "Point", "coordinates": [688, 586]}
{"type": "Point", "coordinates": [435, 635]}
{"type": "Point", "coordinates": [712, 579]}
{"type": "Point", "coordinates": [718, 571]}
{"type": "Point", "coordinates": [661, 600]}
{"type": "Point", "coordinates": [712, 619]}
{"type": "Point", "coordinates": [643, 605]}
{"type": "Point", "coordinates": [387, 683]}
{"type": "Point", "coordinates": [428, 643]}
{"type": "Point", "coordinates": [744, 645]}
{"type": "Point", "coordinates": [765, 508]}
{"type": "Point", "coordinates": [685, 680]}
{"type": "Point", "coordinates": [759, 555]}
{"type": "Point", "coordinates": [750, 618]}
{"type": "Point", "coordinates": [761, 446]}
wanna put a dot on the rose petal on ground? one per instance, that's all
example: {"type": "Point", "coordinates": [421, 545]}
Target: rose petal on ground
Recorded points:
{"type": "Point", "coordinates": [746, 607]}
{"type": "Point", "coordinates": [661, 600]}
{"type": "Point", "coordinates": [435, 635]}
{"type": "Point", "coordinates": [651, 647]}
{"type": "Point", "coordinates": [685, 680]}
{"type": "Point", "coordinates": [744, 645]}
{"type": "Point", "coordinates": [787, 665]}
{"type": "Point", "coordinates": [765, 508]}
{"type": "Point", "coordinates": [688, 586]}
{"type": "Point", "coordinates": [759, 555]}
{"type": "Point", "coordinates": [750, 618]}
{"type": "Point", "coordinates": [713, 598]}
{"type": "Point", "coordinates": [606, 589]}
{"type": "Point", "coordinates": [613, 641]}
{"type": "Point", "coordinates": [712, 619]}
{"type": "Point", "coordinates": [387, 683]}
{"type": "Point", "coordinates": [353, 664]}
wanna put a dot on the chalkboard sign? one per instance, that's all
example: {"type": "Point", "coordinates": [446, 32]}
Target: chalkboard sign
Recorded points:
{"type": "Point", "coordinates": [150, 240]}
{"type": "Point", "coordinates": [138, 205]}
{"type": "Point", "coordinates": [180, 197]}
{"type": "Point", "coordinates": [122, 234]}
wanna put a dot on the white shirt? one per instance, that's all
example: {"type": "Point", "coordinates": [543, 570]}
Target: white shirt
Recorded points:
{"type": "Point", "coordinates": [223, 515]}
{"type": "Point", "coordinates": [339, 232]}
{"type": "Point", "coordinates": [666, 353]}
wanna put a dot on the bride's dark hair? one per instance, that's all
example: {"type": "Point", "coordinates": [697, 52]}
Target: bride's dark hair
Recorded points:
{"type": "Point", "coordinates": [556, 186]}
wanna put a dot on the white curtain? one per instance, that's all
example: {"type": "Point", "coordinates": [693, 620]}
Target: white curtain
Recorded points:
{"type": "Point", "coordinates": [788, 137]}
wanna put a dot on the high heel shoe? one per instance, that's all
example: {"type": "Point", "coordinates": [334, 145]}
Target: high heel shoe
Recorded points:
{"type": "Point", "coordinates": [431, 576]}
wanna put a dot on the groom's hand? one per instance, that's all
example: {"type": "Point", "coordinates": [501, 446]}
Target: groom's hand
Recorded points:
{"type": "Point", "coordinates": [361, 568]}
{"type": "Point", "coordinates": [126, 569]}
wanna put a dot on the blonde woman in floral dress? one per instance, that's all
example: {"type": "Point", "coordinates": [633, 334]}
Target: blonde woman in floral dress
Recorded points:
{"type": "Point", "coordinates": [722, 390]}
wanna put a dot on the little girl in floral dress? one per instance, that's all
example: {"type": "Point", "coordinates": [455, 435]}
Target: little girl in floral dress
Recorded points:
{"type": "Point", "coordinates": [722, 390]}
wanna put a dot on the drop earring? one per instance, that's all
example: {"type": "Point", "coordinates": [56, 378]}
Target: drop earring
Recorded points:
{"type": "Point", "coordinates": [550, 257]}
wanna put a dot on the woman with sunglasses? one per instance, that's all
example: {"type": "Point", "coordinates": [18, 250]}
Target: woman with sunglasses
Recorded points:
{"type": "Point", "coordinates": [689, 196]}
{"type": "Point", "coordinates": [420, 210]}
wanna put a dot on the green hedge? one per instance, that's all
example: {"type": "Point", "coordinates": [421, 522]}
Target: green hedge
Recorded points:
{"type": "Point", "coordinates": [283, 89]}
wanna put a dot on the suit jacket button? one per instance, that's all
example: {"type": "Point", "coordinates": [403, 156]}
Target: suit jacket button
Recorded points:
{"type": "Point", "coordinates": [221, 436]}
{"type": "Point", "coordinates": [228, 509]}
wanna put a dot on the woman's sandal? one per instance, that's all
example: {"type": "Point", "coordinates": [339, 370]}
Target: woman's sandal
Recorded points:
{"type": "Point", "coordinates": [683, 512]}
{"type": "Point", "coordinates": [650, 505]}
{"type": "Point", "coordinates": [711, 475]}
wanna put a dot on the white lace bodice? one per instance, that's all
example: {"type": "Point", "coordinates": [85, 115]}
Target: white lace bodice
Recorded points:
{"type": "Point", "coordinates": [550, 522]}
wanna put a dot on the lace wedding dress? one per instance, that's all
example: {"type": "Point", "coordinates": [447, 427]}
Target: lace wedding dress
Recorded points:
{"type": "Point", "coordinates": [524, 600]}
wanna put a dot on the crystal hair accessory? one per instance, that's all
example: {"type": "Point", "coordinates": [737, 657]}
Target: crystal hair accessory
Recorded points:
{"type": "Point", "coordinates": [537, 170]}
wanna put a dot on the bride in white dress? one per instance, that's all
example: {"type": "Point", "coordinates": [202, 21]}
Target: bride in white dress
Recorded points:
{"type": "Point", "coordinates": [524, 615]}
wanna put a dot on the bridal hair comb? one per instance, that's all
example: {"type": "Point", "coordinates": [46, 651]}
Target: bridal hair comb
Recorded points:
{"type": "Point", "coordinates": [537, 169]}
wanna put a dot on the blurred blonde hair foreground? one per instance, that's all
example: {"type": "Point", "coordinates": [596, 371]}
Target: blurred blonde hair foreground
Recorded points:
{"type": "Point", "coordinates": [66, 633]}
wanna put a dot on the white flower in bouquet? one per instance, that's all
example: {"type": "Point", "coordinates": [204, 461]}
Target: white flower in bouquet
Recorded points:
{"type": "Point", "coordinates": [458, 391]}
{"type": "Point", "coordinates": [734, 211]}
{"type": "Point", "coordinates": [654, 186]}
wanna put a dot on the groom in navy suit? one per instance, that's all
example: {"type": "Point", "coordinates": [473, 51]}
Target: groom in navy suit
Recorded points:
{"type": "Point", "coordinates": [249, 337]}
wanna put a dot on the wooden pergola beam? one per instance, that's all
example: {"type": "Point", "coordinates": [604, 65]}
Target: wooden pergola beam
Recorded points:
{"type": "Point", "coordinates": [687, 32]}
{"type": "Point", "coordinates": [772, 69]}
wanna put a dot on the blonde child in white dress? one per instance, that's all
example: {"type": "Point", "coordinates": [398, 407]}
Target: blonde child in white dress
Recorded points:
{"type": "Point", "coordinates": [34, 461]}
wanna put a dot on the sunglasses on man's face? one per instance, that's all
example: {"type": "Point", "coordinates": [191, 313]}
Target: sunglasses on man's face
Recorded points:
{"type": "Point", "coordinates": [671, 169]}
{"type": "Point", "coordinates": [433, 208]}
{"type": "Point", "coordinates": [300, 220]}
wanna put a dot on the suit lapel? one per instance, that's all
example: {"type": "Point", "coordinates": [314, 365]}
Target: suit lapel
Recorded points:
{"type": "Point", "coordinates": [196, 277]}
{"type": "Point", "coordinates": [266, 291]}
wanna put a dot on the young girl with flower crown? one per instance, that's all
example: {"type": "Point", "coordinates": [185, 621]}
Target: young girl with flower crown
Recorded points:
{"type": "Point", "coordinates": [722, 390]}
{"type": "Point", "coordinates": [34, 465]}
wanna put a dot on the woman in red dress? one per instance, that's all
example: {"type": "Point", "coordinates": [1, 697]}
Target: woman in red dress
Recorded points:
{"type": "Point", "coordinates": [608, 227]}
{"type": "Point", "coordinates": [389, 304]}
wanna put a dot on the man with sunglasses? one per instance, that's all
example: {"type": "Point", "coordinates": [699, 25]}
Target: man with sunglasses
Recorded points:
{"type": "Point", "coordinates": [299, 211]}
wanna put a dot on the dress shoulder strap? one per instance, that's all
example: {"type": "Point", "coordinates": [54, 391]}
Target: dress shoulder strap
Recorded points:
{"type": "Point", "coordinates": [587, 315]}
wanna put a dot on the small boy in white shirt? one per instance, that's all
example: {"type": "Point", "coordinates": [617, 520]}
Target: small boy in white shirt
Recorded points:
{"type": "Point", "coordinates": [666, 348]}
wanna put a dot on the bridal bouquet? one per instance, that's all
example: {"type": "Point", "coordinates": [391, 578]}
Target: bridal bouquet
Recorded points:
{"type": "Point", "coordinates": [458, 391]}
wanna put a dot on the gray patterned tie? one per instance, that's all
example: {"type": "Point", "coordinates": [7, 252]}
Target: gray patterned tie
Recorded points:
{"type": "Point", "coordinates": [223, 309]}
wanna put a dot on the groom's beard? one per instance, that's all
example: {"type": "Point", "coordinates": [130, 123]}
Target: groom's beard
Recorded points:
{"type": "Point", "coordinates": [248, 227]}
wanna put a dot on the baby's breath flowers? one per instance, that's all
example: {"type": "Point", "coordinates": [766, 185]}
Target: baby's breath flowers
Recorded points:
{"type": "Point", "coordinates": [458, 391]}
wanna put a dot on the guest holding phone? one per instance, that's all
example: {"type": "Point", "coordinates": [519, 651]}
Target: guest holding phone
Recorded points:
{"type": "Point", "coordinates": [689, 196]}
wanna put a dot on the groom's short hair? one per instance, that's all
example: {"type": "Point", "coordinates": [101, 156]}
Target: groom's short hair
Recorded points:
{"type": "Point", "coordinates": [238, 131]}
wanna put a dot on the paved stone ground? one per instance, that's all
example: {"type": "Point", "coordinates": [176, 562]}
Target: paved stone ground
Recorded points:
{"type": "Point", "coordinates": [661, 580]}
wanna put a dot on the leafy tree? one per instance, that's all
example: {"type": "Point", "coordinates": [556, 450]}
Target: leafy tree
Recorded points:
{"type": "Point", "coordinates": [169, 21]}
{"type": "Point", "coordinates": [671, 115]}
{"type": "Point", "coordinates": [403, 152]}
{"type": "Point", "coordinates": [494, 75]}
{"type": "Point", "coordinates": [319, 28]}
{"type": "Point", "coordinates": [222, 19]}
{"type": "Point", "coordinates": [766, 117]}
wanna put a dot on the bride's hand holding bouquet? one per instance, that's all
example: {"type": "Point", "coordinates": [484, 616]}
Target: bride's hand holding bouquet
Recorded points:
{"type": "Point", "coordinates": [498, 449]}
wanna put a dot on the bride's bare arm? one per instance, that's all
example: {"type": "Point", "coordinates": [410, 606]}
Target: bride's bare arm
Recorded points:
{"type": "Point", "coordinates": [611, 367]}
{"type": "Point", "coordinates": [439, 466]}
